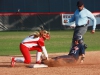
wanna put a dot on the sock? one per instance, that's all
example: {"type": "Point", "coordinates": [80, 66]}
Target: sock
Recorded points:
{"type": "Point", "coordinates": [38, 56]}
{"type": "Point", "coordinates": [18, 59]}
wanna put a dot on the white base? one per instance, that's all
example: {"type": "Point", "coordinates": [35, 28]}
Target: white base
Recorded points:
{"type": "Point", "coordinates": [38, 66]}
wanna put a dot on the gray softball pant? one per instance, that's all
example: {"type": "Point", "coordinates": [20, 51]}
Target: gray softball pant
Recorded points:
{"type": "Point", "coordinates": [79, 30]}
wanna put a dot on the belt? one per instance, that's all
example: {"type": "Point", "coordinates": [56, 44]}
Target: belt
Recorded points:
{"type": "Point", "coordinates": [82, 25]}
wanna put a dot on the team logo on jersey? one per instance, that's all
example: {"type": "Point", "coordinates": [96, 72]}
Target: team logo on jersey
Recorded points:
{"type": "Point", "coordinates": [76, 48]}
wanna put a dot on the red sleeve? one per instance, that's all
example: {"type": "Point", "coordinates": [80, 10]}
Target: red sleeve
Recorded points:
{"type": "Point", "coordinates": [41, 42]}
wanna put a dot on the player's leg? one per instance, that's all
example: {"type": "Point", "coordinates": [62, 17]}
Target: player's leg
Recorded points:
{"type": "Point", "coordinates": [26, 56]}
{"type": "Point", "coordinates": [63, 60]}
{"type": "Point", "coordinates": [38, 54]}
{"type": "Point", "coordinates": [79, 31]}
{"type": "Point", "coordinates": [66, 58]}
{"type": "Point", "coordinates": [38, 57]}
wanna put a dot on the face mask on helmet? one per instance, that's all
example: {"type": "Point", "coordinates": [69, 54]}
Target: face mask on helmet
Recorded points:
{"type": "Point", "coordinates": [45, 34]}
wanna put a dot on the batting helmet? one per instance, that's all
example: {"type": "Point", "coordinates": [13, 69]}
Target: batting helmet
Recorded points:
{"type": "Point", "coordinates": [45, 34]}
{"type": "Point", "coordinates": [79, 38]}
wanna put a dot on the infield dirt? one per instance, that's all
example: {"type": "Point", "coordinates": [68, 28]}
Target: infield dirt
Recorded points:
{"type": "Point", "coordinates": [91, 66]}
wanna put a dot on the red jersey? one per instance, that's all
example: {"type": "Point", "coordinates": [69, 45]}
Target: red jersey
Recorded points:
{"type": "Point", "coordinates": [30, 41]}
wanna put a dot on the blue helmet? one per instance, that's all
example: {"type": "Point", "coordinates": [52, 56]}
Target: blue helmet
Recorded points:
{"type": "Point", "coordinates": [78, 37]}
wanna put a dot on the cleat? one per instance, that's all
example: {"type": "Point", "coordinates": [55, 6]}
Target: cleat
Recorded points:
{"type": "Point", "coordinates": [12, 61]}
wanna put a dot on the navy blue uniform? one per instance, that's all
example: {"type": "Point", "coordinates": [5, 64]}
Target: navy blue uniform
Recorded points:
{"type": "Point", "coordinates": [77, 50]}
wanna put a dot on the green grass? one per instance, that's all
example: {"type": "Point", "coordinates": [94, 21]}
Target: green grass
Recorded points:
{"type": "Point", "coordinates": [60, 41]}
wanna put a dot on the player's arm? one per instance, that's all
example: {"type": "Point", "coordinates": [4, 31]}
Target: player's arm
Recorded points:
{"type": "Point", "coordinates": [42, 45]}
{"type": "Point", "coordinates": [45, 36]}
{"type": "Point", "coordinates": [82, 58]}
{"type": "Point", "coordinates": [70, 20]}
{"type": "Point", "coordinates": [45, 52]}
{"type": "Point", "coordinates": [91, 16]}
{"type": "Point", "coordinates": [82, 54]}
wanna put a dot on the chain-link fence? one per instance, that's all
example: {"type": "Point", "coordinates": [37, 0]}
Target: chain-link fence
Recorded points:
{"type": "Point", "coordinates": [30, 21]}
{"type": "Point", "coordinates": [33, 21]}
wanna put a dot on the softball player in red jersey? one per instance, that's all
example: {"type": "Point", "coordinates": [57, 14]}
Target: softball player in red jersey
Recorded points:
{"type": "Point", "coordinates": [31, 43]}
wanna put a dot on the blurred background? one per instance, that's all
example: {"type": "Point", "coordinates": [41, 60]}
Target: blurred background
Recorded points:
{"type": "Point", "coordinates": [46, 5]}
{"type": "Point", "coordinates": [31, 14]}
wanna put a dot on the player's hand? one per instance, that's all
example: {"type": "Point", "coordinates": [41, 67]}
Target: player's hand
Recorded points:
{"type": "Point", "coordinates": [48, 59]}
{"type": "Point", "coordinates": [93, 31]}
{"type": "Point", "coordinates": [81, 62]}
{"type": "Point", "coordinates": [43, 59]}
{"type": "Point", "coordinates": [82, 59]}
